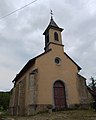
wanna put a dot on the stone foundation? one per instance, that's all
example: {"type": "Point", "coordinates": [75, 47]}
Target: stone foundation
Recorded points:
{"type": "Point", "coordinates": [34, 109]}
{"type": "Point", "coordinates": [79, 106]}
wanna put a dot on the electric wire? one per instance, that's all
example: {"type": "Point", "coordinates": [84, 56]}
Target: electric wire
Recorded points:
{"type": "Point", "coordinates": [17, 10]}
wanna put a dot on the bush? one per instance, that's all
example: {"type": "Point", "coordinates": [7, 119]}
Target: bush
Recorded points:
{"type": "Point", "coordinates": [94, 105]}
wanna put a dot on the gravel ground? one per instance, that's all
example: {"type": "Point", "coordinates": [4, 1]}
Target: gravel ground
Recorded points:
{"type": "Point", "coordinates": [61, 115]}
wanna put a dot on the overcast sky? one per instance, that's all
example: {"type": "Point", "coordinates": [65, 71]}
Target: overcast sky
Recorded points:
{"type": "Point", "coordinates": [21, 34]}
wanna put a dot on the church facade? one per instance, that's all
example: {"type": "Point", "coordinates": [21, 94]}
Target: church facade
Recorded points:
{"type": "Point", "coordinates": [51, 80]}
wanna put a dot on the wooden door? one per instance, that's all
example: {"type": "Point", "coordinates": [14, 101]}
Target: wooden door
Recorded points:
{"type": "Point", "coordinates": [59, 95]}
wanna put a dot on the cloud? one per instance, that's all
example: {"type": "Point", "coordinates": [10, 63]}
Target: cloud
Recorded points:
{"type": "Point", "coordinates": [21, 34]}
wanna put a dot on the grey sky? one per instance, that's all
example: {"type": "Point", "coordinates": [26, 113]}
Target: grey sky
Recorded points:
{"type": "Point", "coordinates": [21, 34]}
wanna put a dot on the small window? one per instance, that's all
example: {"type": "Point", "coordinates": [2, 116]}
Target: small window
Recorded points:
{"type": "Point", "coordinates": [57, 60]}
{"type": "Point", "coordinates": [56, 36]}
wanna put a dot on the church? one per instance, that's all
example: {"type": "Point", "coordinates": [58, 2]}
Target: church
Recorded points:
{"type": "Point", "coordinates": [49, 81]}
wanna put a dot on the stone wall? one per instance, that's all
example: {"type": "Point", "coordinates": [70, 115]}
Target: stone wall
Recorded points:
{"type": "Point", "coordinates": [83, 92]}
{"type": "Point", "coordinates": [17, 98]}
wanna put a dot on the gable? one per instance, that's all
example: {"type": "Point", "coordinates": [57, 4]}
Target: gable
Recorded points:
{"type": "Point", "coordinates": [79, 68]}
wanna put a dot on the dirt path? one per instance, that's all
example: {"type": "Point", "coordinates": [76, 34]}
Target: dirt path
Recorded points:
{"type": "Point", "coordinates": [3, 118]}
{"type": "Point", "coordinates": [63, 115]}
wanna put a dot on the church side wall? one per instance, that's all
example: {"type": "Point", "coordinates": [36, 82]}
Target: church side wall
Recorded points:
{"type": "Point", "coordinates": [12, 100]}
{"type": "Point", "coordinates": [19, 97]}
{"type": "Point", "coordinates": [85, 98]}
{"type": "Point", "coordinates": [22, 98]}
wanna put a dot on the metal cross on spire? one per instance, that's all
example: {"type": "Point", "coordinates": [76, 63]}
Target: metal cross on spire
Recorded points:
{"type": "Point", "coordinates": [51, 14]}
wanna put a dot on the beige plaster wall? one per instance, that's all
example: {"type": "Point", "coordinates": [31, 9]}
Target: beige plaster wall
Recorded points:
{"type": "Point", "coordinates": [49, 72]}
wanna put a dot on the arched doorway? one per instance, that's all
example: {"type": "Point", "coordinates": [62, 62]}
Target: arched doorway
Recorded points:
{"type": "Point", "coordinates": [59, 95]}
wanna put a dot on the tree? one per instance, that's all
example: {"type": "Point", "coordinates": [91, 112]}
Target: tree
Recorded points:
{"type": "Point", "coordinates": [4, 100]}
{"type": "Point", "coordinates": [92, 85]}
{"type": "Point", "coordinates": [92, 90]}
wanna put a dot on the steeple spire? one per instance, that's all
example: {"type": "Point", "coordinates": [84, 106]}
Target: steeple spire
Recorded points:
{"type": "Point", "coordinates": [52, 24]}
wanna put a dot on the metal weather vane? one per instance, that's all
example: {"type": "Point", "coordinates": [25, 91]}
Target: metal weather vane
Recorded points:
{"type": "Point", "coordinates": [51, 12]}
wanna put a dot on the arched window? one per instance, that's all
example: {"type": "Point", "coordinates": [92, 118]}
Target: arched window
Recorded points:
{"type": "Point", "coordinates": [56, 36]}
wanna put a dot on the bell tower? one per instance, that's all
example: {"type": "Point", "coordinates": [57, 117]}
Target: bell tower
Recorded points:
{"type": "Point", "coordinates": [52, 34]}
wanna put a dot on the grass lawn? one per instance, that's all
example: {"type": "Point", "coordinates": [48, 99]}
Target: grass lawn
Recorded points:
{"type": "Point", "coordinates": [60, 115]}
